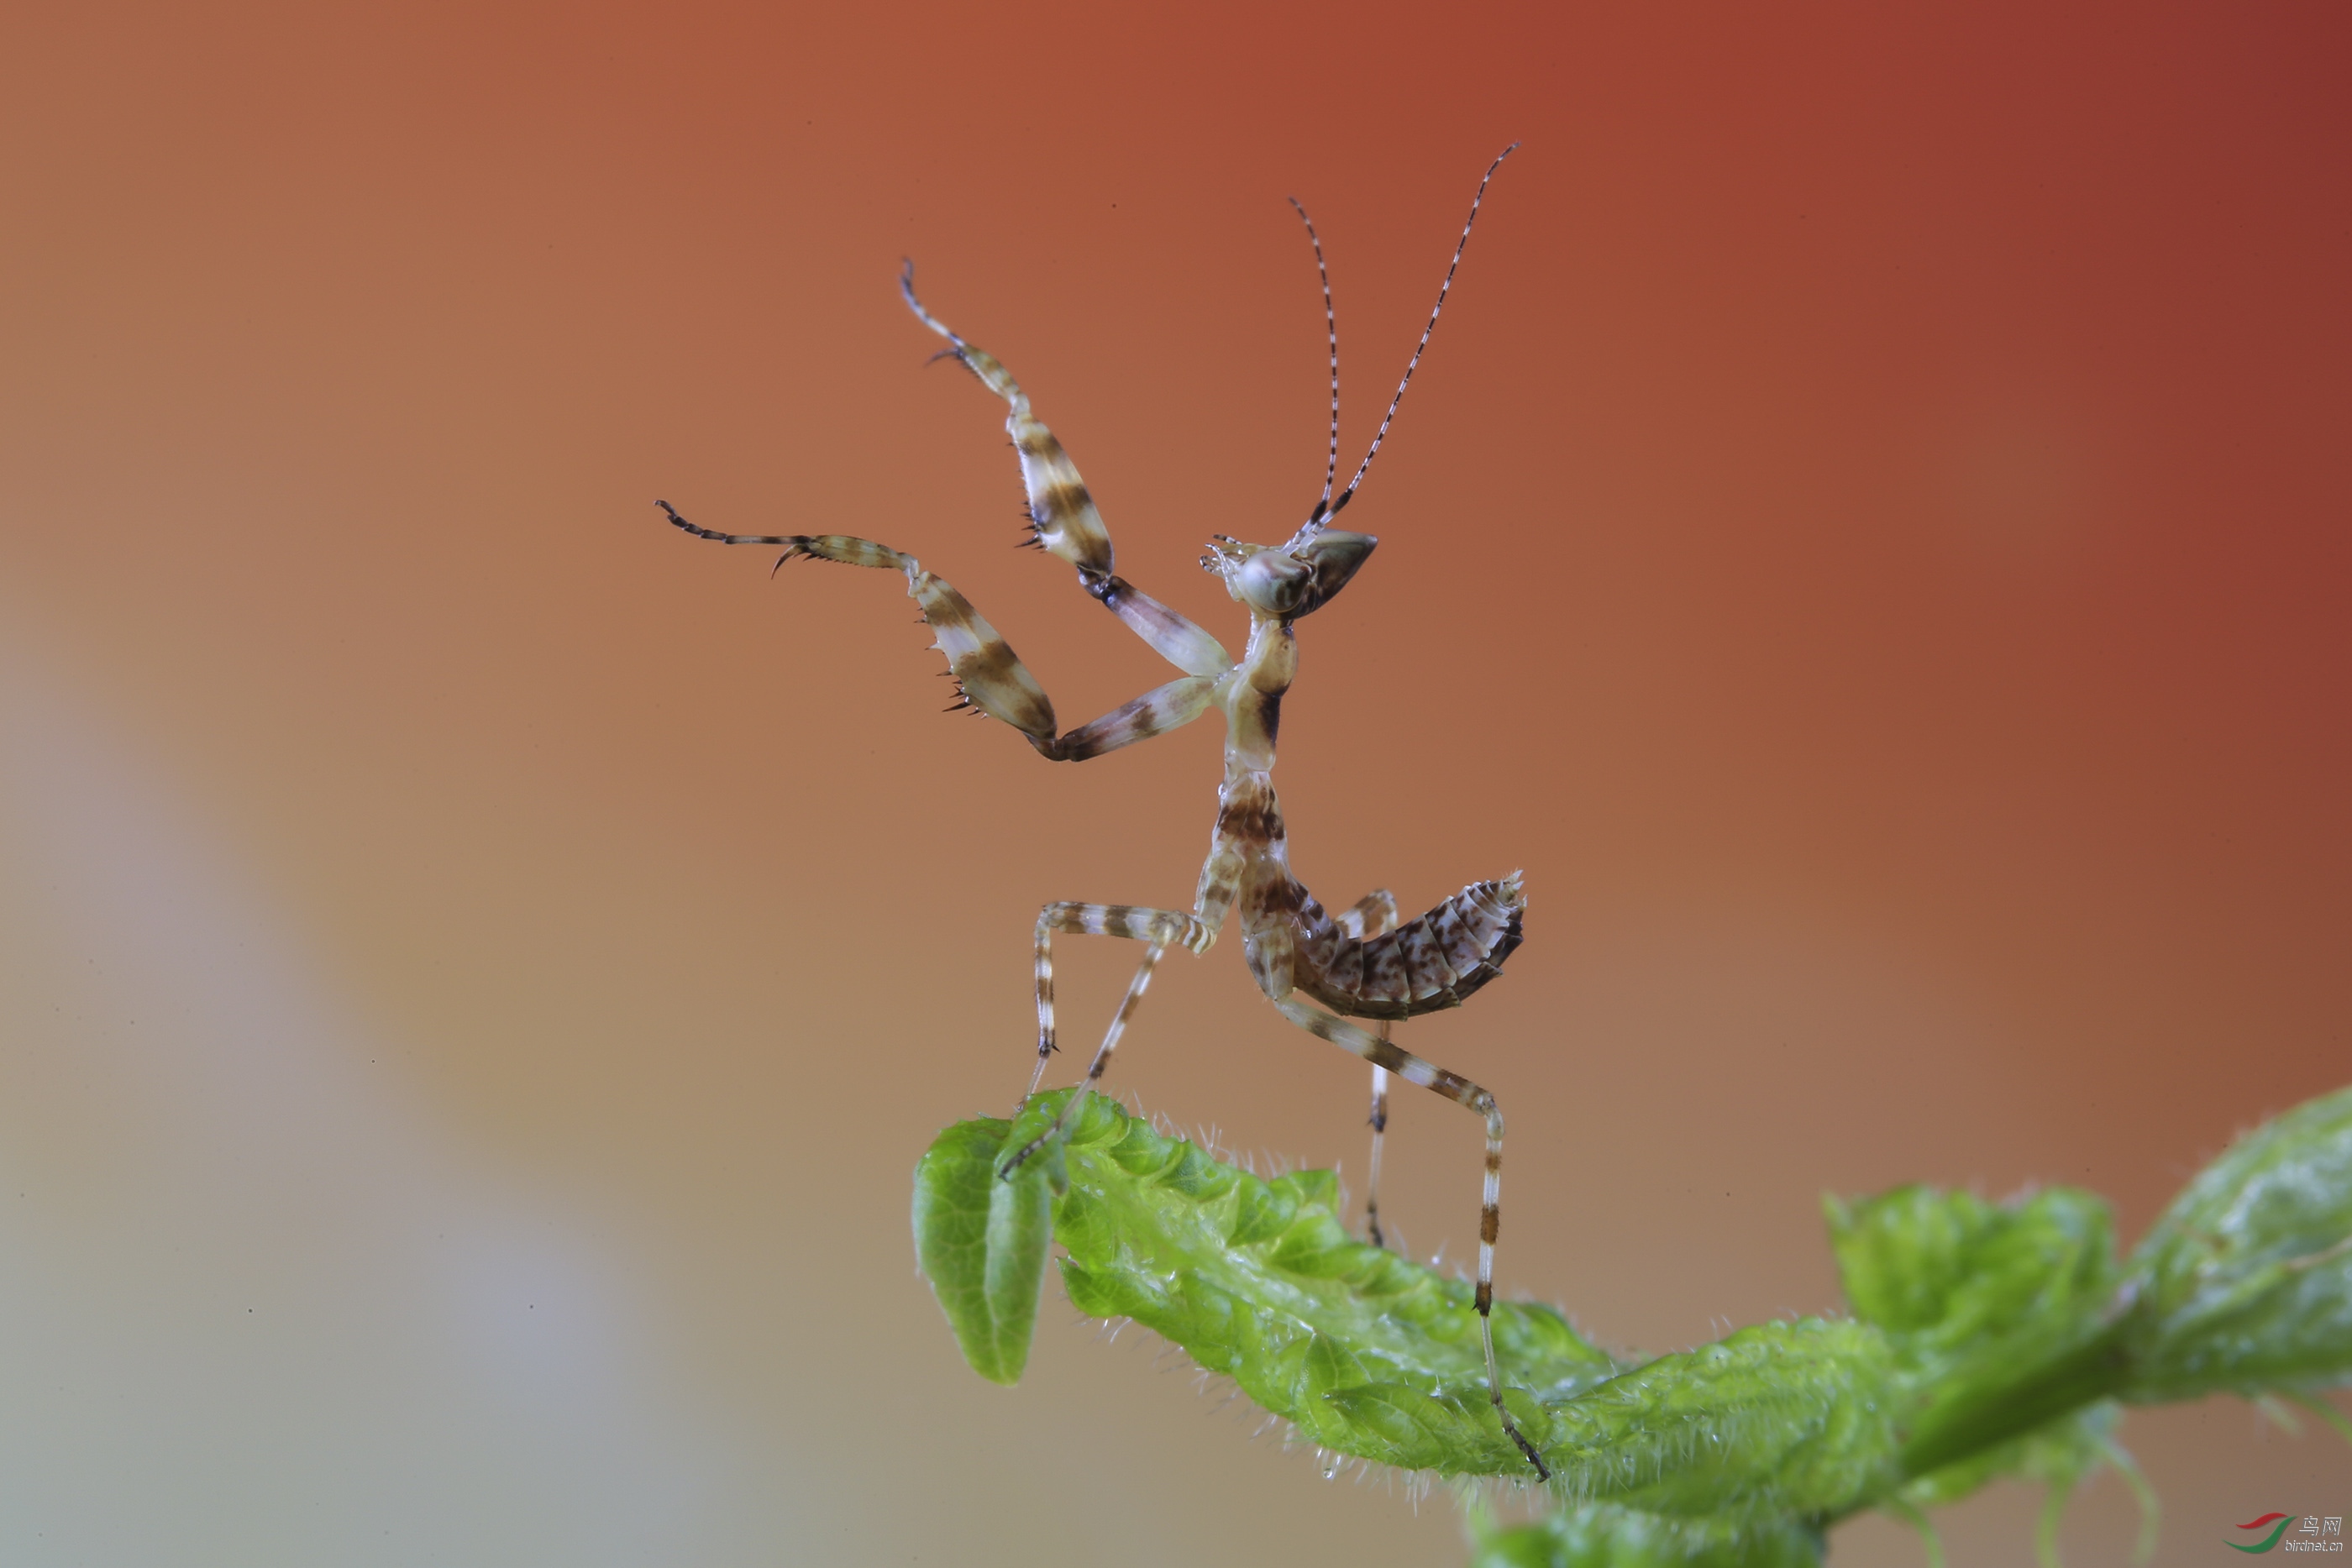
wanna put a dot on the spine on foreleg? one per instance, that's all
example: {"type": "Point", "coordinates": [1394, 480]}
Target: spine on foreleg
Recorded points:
{"type": "Point", "coordinates": [988, 674]}
{"type": "Point", "coordinates": [1426, 963]}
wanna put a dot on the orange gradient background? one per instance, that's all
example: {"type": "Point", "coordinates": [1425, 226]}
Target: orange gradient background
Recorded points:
{"type": "Point", "coordinates": [476, 968]}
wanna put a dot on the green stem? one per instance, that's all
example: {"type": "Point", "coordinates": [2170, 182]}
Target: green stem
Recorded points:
{"type": "Point", "coordinates": [1993, 1413]}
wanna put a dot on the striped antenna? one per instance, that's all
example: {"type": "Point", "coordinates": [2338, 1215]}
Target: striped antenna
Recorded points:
{"type": "Point", "coordinates": [1331, 329]}
{"type": "Point", "coordinates": [1349, 492]}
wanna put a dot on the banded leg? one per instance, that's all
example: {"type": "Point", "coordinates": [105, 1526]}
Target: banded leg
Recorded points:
{"type": "Point", "coordinates": [1062, 1118]}
{"type": "Point", "coordinates": [1162, 928]}
{"type": "Point", "coordinates": [1380, 1130]}
{"type": "Point", "coordinates": [1373, 914]}
{"type": "Point", "coordinates": [839, 548]}
{"type": "Point", "coordinates": [1156, 712]}
{"type": "Point", "coordinates": [1063, 520]}
{"type": "Point", "coordinates": [1383, 1053]}
{"type": "Point", "coordinates": [989, 677]}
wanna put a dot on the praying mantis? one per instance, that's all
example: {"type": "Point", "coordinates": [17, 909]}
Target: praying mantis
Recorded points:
{"type": "Point", "coordinates": [1318, 969]}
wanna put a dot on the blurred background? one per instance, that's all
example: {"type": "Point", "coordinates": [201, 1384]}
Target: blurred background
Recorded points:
{"type": "Point", "coordinates": [476, 968]}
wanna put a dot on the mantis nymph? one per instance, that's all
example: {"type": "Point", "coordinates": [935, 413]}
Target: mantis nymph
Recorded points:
{"type": "Point", "coordinates": [1319, 970]}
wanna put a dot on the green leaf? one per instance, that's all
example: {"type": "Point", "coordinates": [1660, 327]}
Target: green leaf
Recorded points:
{"type": "Point", "coordinates": [1995, 1313]}
{"type": "Point", "coordinates": [1371, 1355]}
{"type": "Point", "coordinates": [2245, 1284]}
{"type": "Point", "coordinates": [981, 1241]}
{"type": "Point", "coordinates": [1951, 1277]}
{"type": "Point", "coordinates": [1365, 1352]}
{"type": "Point", "coordinates": [1599, 1536]}
{"type": "Point", "coordinates": [1990, 1339]}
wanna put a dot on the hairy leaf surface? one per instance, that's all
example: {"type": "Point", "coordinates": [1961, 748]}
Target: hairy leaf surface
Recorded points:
{"type": "Point", "coordinates": [1990, 1339]}
{"type": "Point", "coordinates": [1995, 1313]}
{"type": "Point", "coordinates": [1600, 1536]}
{"type": "Point", "coordinates": [2246, 1283]}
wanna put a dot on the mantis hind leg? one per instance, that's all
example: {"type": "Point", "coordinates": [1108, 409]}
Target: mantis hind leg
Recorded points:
{"type": "Point", "coordinates": [1373, 916]}
{"type": "Point", "coordinates": [1383, 1053]}
{"type": "Point", "coordinates": [1372, 1168]}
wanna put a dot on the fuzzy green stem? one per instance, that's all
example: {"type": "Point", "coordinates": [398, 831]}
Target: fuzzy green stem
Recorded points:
{"type": "Point", "coordinates": [1989, 1414]}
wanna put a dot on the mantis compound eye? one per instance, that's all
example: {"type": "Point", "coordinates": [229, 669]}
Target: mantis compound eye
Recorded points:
{"type": "Point", "coordinates": [1334, 555]}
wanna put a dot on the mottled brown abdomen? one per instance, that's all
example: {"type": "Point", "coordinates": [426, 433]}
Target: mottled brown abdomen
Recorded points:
{"type": "Point", "coordinates": [1424, 965]}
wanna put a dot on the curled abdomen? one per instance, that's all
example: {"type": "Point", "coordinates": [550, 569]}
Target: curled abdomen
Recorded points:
{"type": "Point", "coordinates": [1424, 965]}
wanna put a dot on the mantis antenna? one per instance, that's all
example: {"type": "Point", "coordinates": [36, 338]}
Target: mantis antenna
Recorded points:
{"type": "Point", "coordinates": [1331, 329]}
{"type": "Point", "coordinates": [1458, 248]}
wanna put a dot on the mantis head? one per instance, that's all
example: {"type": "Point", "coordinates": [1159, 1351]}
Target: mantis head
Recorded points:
{"type": "Point", "coordinates": [1291, 581]}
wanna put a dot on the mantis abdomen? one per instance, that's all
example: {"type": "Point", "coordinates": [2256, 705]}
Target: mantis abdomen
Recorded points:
{"type": "Point", "coordinates": [1427, 964]}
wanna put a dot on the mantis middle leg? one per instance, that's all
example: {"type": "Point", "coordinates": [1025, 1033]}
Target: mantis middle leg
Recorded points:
{"type": "Point", "coordinates": [1162, 928]}
{"type": "Point", "coordinates": [1159, 929]}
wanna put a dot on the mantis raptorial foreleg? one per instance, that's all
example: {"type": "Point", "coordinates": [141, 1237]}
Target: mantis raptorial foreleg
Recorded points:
{"type": "Point", "coordinates": [989, 675]}
{"type": "Point", "coordinates": [1382, 1054]}
{"type": "Point", "coordinates": [1063, 520]}
{"type": "Point", "coordinates": [1062, 515]}
{"type": "Point", "coordinates": [1156, 712]}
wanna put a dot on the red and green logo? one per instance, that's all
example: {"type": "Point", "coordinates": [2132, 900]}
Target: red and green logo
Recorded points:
{"type": "Point", "coordinates": [2278, 1522]}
